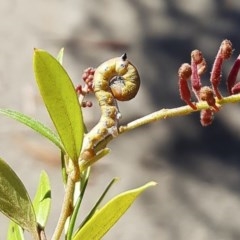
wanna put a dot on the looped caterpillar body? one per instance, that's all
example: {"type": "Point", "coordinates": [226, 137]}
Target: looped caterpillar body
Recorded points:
{"type": "Point", "coordinates": [115, 79]}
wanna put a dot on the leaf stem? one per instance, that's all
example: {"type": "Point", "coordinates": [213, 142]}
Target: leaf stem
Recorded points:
{"type": "Point", "coordinates": [175, 112]}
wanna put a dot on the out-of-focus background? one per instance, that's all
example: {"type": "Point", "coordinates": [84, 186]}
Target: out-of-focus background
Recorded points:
{"type": "Point", "coordinates": [197, 169]}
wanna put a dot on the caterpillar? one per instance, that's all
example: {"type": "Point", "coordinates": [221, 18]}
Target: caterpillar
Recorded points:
{"type": "Point", "coordinates": [115, 79]}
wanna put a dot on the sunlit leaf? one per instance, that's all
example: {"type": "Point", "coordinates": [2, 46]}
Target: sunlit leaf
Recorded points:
{"type": "Point", "coordinates": [63, 168]}
{"type": "Point", "coordinates": [95, 208]}
{"type": "Point", "coordinates": [15, 202]}
{"type": "Point", "coordinates": [61, 101]}
{"type": "Point", "coordinates": [60, 55]}
{"type": "Point", "coordinates": [42, 200]}
{"type": "Point", "coordinates": [15, 232]}
{"type": "Point", "coordinates": [35, 125]}
{"type": "Point", "coordinates": [98, 225]}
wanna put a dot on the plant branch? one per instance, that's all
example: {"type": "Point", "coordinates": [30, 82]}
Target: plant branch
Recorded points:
{"type": "Point", "coordinates": [66, 209]}
{"type": "Point", "coordinates": [67, 206]}
{"type": "Point", "coordinates": [175, 112]}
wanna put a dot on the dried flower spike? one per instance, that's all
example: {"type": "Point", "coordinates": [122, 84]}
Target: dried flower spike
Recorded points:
{"type": "Point", "coordinates": [224, 53]}
{"type": "Point", "coordinates": [232, 78]}
{"type": "Point", "coordinates": [206, 94]}
{"type": "Point", "coordinates": [184, 74]}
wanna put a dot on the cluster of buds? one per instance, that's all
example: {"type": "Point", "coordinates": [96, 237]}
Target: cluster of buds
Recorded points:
{"type": "Point", "coordinates": [87, 88]}
{"type": "Point", "coordinates": [192, 73]}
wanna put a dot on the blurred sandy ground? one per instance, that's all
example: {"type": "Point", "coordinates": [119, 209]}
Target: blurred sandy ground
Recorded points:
{"type": "Point", "coordinates": [197, 169]}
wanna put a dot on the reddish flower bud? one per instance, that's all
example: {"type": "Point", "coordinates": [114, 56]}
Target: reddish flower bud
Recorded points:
{"type": "Point", "coordinates": [226, 49]}
{"type": "Point", "coordinates": [88, 78]}
{"type": "Point", "coordinates": [184, 73]}
{"type": "Point", "coordinates": [224, 53]}
{"type": "Point", "coordinates": [83, 90]}
{"type": "Point", "coordinates": [232, 77]}
{"type": "Point", "coordinates": [89, 104]}
{"type": "Point", "coordinates": [79, 89]}
{"type": "Point", "coordinates": [236, 88]}
{"type": "Point", "coordinates": [206, 117]}
{"type": "Point", "coordinates": [86, 104]}
{"type": "Point", "coordinates": [202, 67]}
{"type": "Point", "coordinates": [196, 59]}
{"type": "Point", "coordinates": [206, 94]}
{"type": "Point", "coordinates": [196, 56]}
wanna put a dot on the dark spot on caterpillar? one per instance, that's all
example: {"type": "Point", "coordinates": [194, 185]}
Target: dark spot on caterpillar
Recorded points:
{"type": "Point", "coordinates": [124, 57]}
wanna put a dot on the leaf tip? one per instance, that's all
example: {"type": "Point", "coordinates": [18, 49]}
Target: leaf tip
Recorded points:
{"type": "Point", "coordinates": [153, 183]}
{"type": "Point", "coordinates": [150, 184]}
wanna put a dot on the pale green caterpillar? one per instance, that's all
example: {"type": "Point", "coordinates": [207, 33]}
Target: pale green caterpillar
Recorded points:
{"type": "Point", "coordinates": [114, 79]}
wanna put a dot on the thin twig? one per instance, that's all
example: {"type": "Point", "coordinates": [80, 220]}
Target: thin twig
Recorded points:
{"type": "Point", "coordinates": [175, 112]}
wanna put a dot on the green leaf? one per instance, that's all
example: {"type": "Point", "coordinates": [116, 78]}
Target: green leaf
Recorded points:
{"type": "Point", "coordinates": [109, 214]}
{"type": "Point", "coordinates": [60, 56]}
{"type": "Point", "coordinates": [94, 209]}
{"type": "Point", "coordinates": [15, 232]}
{"type": "Point", "coordinates": [42, 200]}
{"type": "Point", "coordinates": [15, 202]}
{"type": "Point", "coordinates": [61, 101]}
{"type": "Point", "coordinates": [35, 125]}
{"type": "Point", "coordinates": [63, 168]}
